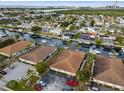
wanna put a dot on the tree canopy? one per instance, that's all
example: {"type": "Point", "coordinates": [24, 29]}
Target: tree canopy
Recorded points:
{"type": "Point", "coordinates": [6, 42]}
{"type": "Point", "coordinates": [98, 41]}
{"type": "Point", "coordinates": [41, 68]}
{"type": "Point", "coordinates": [35, 29]}
{"type": "Point", "coordinates": [119, 40]}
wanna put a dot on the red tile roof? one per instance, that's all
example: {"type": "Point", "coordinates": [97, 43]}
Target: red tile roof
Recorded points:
{"type": "Point", "coordinates": [11, 49]}
{"type": "Point", "coordinates": [109, 70]}
{"type": "Point", "coordinates": [69, 61]}
{"type": "Point", "coordinates": [38, 54]}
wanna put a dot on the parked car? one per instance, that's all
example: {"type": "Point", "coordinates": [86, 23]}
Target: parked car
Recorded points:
{"type": "Point", "coordinates": [3, 72]}
{"type": "Point", "coordinates": [44, 41]}
{"type": "Point", "coordinates": [11, 67]}
{"type": "Point", "coordinates": [38, 87]}
{"type": "Point", "coordinates": [67, 88]}
{"type": "Point", "coordinates": [41, 83]}
{"type": "Point", "coordinates": [19, 78]}
{"type": "Point", "coordinates": [72, 83]}
{"type": "Point", "coordinates": [95, 88]}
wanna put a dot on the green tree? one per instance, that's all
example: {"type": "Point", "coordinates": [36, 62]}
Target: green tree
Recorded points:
{"type": "Point", "coordinates": [109, 33]}
{"type": "Point", "coordinates": [83, 23]}
{"type": "Point", "coordinates": [35, 29]}
{"type": "Point", "coordinates": [18, 22]}
{"type": "Point", "coordinates": [92, 23]}
{"type": "Point", "coordinates": [29, 72]}
{"type": "Point", "coordinates": [41, 68]}
{"type": "Point", "coordinates": [17, 37]}
{"type": "Point", "coordinates": [32, 80]}
{"type": "Point", "coordinates": [12, 84]}
{"type": "Point", "coordinates": [119, 40]}
{"type": "Point", "coordinates": [6, 42]}
{"type": "Point", "coordinates": [73, 27]}
{"type": "Point", "coordinates": [76, 35]}
{"type": "Point", "coordinates": [98, 41]}
{"type": "Point", "coordinates": [68, 42]}
{"type": "Point", "coordinates": [64, 24]}
{"type": "Point", "coordinates": [84, 74]}
{"type": "Point", "coordinates": [22, 83]}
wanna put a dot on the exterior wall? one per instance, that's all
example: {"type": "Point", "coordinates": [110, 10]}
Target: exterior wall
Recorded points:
{"type": "Point", "coordinates": [92, 67]}
{"type": "Point", "coordinates": [27, 61]}
{"type": "Point", "coordinates": [83, 63]}
{"type": "Point", "coordinates": [108, 84]}
{"type": "Point", "coordinates": [5, 54]}
{"type": "Point", "coordinates": [62, 71]}
{"type": "Point", "coordinates": [53, 52]}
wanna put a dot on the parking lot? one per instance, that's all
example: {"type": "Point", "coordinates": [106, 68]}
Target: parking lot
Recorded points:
{"type": "Point", "coordinates": [19, 70]}
{"type": "Point", "coordinates": [54, 81]}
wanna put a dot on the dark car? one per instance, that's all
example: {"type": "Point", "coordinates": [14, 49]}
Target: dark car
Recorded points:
{"type": "Point", "coordinates": [67, 88]}
{"type": "Point", "coordinates": [38, 87]}
{"type": "Point", "coordinates": [3, 72]}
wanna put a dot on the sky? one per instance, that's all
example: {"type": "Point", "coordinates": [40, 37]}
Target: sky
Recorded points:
{"type": "Point", "coordinates": [62, 3]}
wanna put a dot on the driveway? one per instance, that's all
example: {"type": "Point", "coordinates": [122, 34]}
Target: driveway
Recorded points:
{"type": "Point", "coordinates": [19, 70]}
{"type": "Point", "coordinates": [54, 81]}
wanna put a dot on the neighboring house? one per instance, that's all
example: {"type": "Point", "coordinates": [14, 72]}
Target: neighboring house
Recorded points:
{"type": "Point", "coordinates": [96, 50]}
{"type": "Point", "coordinates": [109, 71]}
{"type": "Point", "coordinates": [112, 30]}
{"type": "Point", "coordinates": [65, 37]}
{"type": "Point", "coordinates": [87, 36]}
{"type": "Point", "coordinates": [108, 40]}
{"type": "Point", "coordinates": [68, 62]}
{"type": "Point", "coordinates": [55, 31]}
{"type": "Point", "coordinates": [14, 49]}
{"type": "Point", "coordinates": [46, 28]}
{"type": "Point", "coordinates": [2, 35]}
{"type": "Point", "coordinates": [38, 54]}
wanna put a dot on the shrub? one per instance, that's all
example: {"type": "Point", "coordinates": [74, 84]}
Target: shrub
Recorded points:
{"type": "Point", "coordinates": [12, 84]}
{"type": "Point", "coordinates": [41, 68]}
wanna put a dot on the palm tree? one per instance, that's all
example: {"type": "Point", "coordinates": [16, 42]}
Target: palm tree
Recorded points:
{"type": "Point", "coordinates": [29, 72]}
{"type": "Point", "coordinates": [82, 78]}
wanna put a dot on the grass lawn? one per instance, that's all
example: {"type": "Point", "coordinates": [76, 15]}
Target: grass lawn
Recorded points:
{"type": "Point", "coordinates": [117, 12]}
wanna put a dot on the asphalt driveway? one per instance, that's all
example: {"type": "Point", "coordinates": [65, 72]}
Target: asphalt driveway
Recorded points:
{"type": "Point", "coordinates": [54, 81]}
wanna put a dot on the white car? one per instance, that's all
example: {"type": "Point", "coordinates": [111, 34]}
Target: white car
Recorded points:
{"type": "Point", "coordinates": [97, 51]}
{"type": "Point", "coordinates": [41, 82]}
{"type": "Point", "coordinates": [44, 41]}
{"type": "Point", "coordinates": [95, 88]}
{"type": "Point", "coordinates": [19, 78]}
